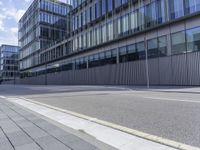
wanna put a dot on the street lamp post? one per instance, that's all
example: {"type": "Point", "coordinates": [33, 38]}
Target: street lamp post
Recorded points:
{"type": "Point", "coordinates": [46, 74]}
{"type": "Point", "coordinates": [146, 63]}
{"type": "Point", "coordinates": [14, 77]}
{"type": "Point", "coordinates": [13, 70]}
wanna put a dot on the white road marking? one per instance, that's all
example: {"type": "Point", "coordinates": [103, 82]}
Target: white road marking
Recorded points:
{"type": "Point", "coordinates": [109, 135]}
{"type": "Point", "coordinates": [171, 99]}
{"type": "Point", "coordinates": [2, 97]}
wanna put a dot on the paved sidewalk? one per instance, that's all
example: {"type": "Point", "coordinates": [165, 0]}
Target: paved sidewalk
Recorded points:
{"type": "Point", "coordinates": [22, 130]}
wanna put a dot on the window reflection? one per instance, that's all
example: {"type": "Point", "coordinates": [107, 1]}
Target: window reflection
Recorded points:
{"type": "Point", "coordinates": [162, 46]}
{"type": "Point", "coordinates": [152, 48]}
{"type": "Point", "coordinates": [176, 8]}
{"type": "Point", "coordinates": [193, 39]}
{"type": "Point", "coordinates": [178, 42]}
{"type": "Point", "coordinates": [192, 6]}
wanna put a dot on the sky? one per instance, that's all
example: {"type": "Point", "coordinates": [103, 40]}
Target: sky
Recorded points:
{"type": "Point", "coordinates": [10, 13]}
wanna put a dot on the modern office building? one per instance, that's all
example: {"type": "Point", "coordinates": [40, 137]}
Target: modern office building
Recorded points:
{"type": "Point", "coordinates": [44, 24]}
{"type": "Point", "coordinates": [132, 42]}
{"type": "Point", "coordinates": [9, 66]}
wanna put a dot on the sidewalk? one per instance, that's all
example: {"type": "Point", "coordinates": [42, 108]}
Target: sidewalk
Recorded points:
{"type": "Point", "coordinates": [22, 130]}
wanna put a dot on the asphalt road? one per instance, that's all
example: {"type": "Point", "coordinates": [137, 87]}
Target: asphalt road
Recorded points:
{"type": "Point", "coordinates": [172, 115]}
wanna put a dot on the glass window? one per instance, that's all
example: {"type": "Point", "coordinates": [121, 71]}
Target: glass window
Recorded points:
{"type": "Point", "coordinates": [192, 6]}
{"type": "Point", "coordinates": [102, 55]}
{"type": "Point", "coordinates": [110, 31]}
{"type": "Point", "coordinates": [80, 42]}
{"type": "Point", "coordinates": [93, 12]}
{"type": "Point", "coordinates": [152, 48]}
{"type": "Point", "coordinates": [98, 34]}
{"type": "Point", "coordinates": [176, 8]}
{"type": "Point", "coordinates": [108, 54]}
{"type": "Point", "coordinates": [101, 59]}
{"type": "Point", "coordinates": [103, 7]}
{"type": "Point", "coordinates": [119, 26]}
{"type": "Point", "coordinates": [91, 58]}
{"type": "Point", "coordinates": [94, 37]}
{"type": "Point", "coordinates": [88, 39]}
{"type": "Point", "coordinates": [123, 54]}
{"type": "Point", "coordinates": [150, 13]}
{"type": "Point", "coordinates": [125, 24]}
{"type": "Point", "coordinates": [131, 49]}
{"type": "Point", "coordinates": [124, 2]}
{"type": "Point", "coordinates": [77, 25]}
{"type": "Point", "coordinates": [122, 51]}
{"type": "Point", "coordinates": [111, 56]}
{"type": "Point", "coordinates": [83, 17]}
{"type": "Point", "coordinates": [96, 57]}
{"type": "Point", "coordinates": [104, 34]}
{"type": "Point", "coordinates": [98, 9]}
{"type": "Point", "coordinates": [161, 11]}
{"type": "Point", "coordinates": [88, 15]}
{"type": "Point", "coordinates": [117, 3]}
{"type": "Point", "coordinates": [132, 53]}
{"type": "Point", "coordinates": [141, 16]}
{"type": "Point", "coordinates": [178, 42]}
{"type": "Point", "coordinates": [141, 50]}
{"type": "Point", "coordinates": [80, 20]}
{"type": "Point", "coordinates": [110, 5]}
{"type": "Point", "coordinates": [162, 46]}
{"type": "Point", "coordinates": [114, 52]}
{"type": "Point", "coordinates": [193, 39]}
{"type": "Point", "coordinates": [134, 21]}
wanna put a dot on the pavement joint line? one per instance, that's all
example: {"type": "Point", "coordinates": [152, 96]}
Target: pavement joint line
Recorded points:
{"type": "Point", "coordinates": [41, 129]}
{"type": "Point", "coordinates": [24, 132]}
{"type": "Point", "coordinates": [7, 138]}
{"type": "Point", "coordinates": [140, 134]}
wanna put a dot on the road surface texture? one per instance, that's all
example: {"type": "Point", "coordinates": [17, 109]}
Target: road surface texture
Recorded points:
{"type": "Point", "coordinates": [172, 114]}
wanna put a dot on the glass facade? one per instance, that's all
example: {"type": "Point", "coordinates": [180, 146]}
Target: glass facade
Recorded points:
{"type": "Point", "coordinates": [101, 22]}
{"type": "Point", "coordinates": [139, 19]}
{"type": "Point", "coordinates": [43, 25]}
{"type": "Point", "coordinates": [181, 42]}
{"type": "Point", "coordinates": [9, 58]}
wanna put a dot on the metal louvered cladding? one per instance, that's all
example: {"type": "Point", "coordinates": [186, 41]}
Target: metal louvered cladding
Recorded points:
{"type": "Point", "coordinates": [172, 70]}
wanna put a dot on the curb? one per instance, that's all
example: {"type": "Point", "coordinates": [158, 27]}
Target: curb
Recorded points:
{"type": "Point", "coordinates": [153, 138]}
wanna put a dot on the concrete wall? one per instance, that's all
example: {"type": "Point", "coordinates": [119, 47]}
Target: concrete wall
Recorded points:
{"type": "Point", "coordinates": [173, 70]}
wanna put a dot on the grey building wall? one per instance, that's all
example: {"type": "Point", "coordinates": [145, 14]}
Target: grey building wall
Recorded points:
{"type": "Point", "coordinates": [172, 70]}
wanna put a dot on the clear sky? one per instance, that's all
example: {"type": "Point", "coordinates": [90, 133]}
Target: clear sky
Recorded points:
{"type": "Point", "coordinates": [10, 13]}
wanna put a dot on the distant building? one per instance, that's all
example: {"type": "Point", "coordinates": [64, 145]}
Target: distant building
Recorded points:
{"type": "Point", "coordinates": [9, 66]}
{"type": "Point", "coordinates": [44, 24]}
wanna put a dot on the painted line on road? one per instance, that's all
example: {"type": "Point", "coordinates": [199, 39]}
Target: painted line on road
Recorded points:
{"type": "Point", "coordinates": [132, 132]}
{"type": "Point", "coordinates": [3, 97]}
{"type": "Point", "coordinates": [172, 99]}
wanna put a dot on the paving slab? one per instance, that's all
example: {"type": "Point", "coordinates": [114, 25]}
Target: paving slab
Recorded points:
{"type": "Point", "coordinates": [23, 130]}
{"type": "Point", "coordinates": [31, 146]}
